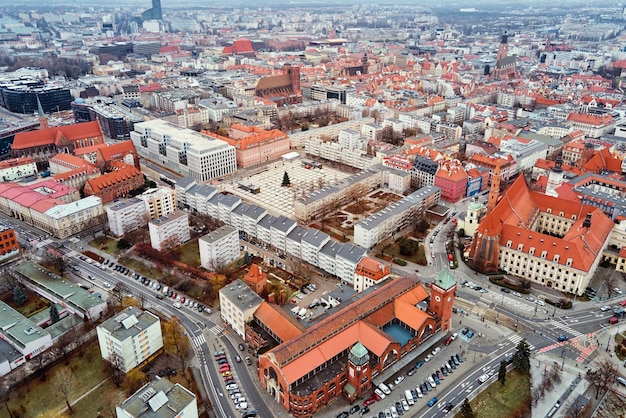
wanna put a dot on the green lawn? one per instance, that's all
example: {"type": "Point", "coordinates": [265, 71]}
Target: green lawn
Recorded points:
{"type": "Point", "coordinates": [189, 253]}
{"type": "Point", "coordinates": [419, 257]}
{"type": "Point", "coordinates": [106, 244]}
{"type": "Point", "coordinates": [41, 399]}
{"type": "Point", "coordinates": [498, 401]}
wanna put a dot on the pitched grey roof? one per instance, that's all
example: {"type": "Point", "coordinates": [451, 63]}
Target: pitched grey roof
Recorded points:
{"type": "Point", "coordinates": [267, 221]}
{"type": "Point", "coordinates": [351, 252]}
{"type": "Point", "coordinates": [283, 224]}
{"type": "Point", "coordinates": [315, 237]}
{"type": "Point", "coordinates": [254, 211]}
{"type": "Point", "coordinates": [331, 248]}
{"type": "Point", "coordinates": [185, 182]}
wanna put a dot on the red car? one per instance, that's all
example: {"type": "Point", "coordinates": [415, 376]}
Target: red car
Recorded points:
{"type": "Point", "coordinates": [448, 341]}
{"type": "Point", "coordinates": [369, 401]}
{"type": "Point", "coordinates": [224, 368]}
{"type": "Point", "coordinates": [378, 398]}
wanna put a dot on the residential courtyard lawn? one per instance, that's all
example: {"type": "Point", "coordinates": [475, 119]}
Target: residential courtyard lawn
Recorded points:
{"type": "Point", "coordinates": [43, 399]}
{"type": "Point", "coordinates": [498, 401]}
{"type": "Point", "coordinates": [106, 244]}
{"type": "Point", "coordinates": [189, 253]}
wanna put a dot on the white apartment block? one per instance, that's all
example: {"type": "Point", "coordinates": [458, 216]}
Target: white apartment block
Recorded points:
{"type": "Point", "coordinates": [335, 151]}
{"type": "Point", "coordinates": [217, 107]}
{"type": "Point", "coordinates": [419, 123]}
{"type": "Point", "coordinates": [397, 216]}
{"type": "Point", "coordinates": [159, 201]}
{"type": "Point", "coordinates": [311, 245]}
{"type": "Point", "coordinates": [293, 243]}
{"type": "Point", "coordinates": [264, 229]}
{"type": "Point", "coordinates": [130, 338]}
{"type": "Point", "coordinates": [397, 181]}
{"type": "Point", "coordinates": [126, 216]}
{"type": "Point", "coordinates": [279, 231]}
{"type": "Point", "coordinates": [159, 399]}
{"type": "Point", "coordinates": [219, 247]}
{"type": "Point", "coordinates": [351, 139]}
{"type": "Point", "coordinates": [169, 231]}
{"type": "Point", "coordinates": [346, 260]}
{"type": "Point", "coordinates": [183, 150]}
{"type": "Point", "coordinates": [237, 305]}
{"type": "Point", "coordinates": [328, 255]}
{"type": "Point", "coordinates": [331, 131]}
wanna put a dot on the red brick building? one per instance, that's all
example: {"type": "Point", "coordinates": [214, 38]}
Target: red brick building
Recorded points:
{"type": "Point", "coordinates": [343, 353]}
{"type": "Point", "coordinates": [42, 144]}
{"type": "Point", "coordinates": [118, 183]}
{"type": "Point", "coordinates": [281, 89]}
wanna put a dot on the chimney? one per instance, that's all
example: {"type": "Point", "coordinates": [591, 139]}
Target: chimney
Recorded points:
{"type": "Point", "coordinates": [587, 221]}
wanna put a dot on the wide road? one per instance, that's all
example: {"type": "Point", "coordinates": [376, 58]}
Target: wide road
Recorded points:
{"type": "Point", "coordinates": [195, 324]}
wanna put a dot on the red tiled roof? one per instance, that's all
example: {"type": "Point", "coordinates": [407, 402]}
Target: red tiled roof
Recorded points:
{"type": "Point", "coordinates": [52, 135]}
{"type": "Point", "coordinates": [119, 149]}
{"type": "Point", "coordinates": [518, 207]}
{"type": "Point", "coordinates": [589, 119]}
{"type": "Point", "coordinates": [283, 326]}
{"type": "Point", "coordinates": [106, 180]}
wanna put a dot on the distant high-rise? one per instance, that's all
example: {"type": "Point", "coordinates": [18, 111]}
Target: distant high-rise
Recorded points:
{"type": "Point", "coordinates": [154, 13]}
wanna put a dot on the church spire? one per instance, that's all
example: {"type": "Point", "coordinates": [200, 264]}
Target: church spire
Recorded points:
{"type": "Point", "coordinates": [494, 193]}
{"type": "Point", "coordinates": [43, 120]}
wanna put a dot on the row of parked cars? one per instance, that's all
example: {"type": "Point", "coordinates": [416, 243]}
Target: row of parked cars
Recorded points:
{"type": "Point", "coordinates": [411, 396]}
{"type": "Point", "coordinates": [232, 387]}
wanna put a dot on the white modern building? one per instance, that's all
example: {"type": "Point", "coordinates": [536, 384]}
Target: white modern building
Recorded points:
{"type": "Point", "coordinates": [159, 399]}
{"type": "Point", "coordinates": [130, 338]}
{"type": "Point", "coordinates": [169, 231]}
{"type": "Point", "coordinates": [183, 150]}
{"type": "Point", "coordinates": [237, 305]}
{"type": "Point", "coordinates": [219, 247]}
{"type": "Point", "coordinates": [126, 216]}
{"type": "Point", "coordinates": [346, 260]}
{"type": "Point", "coordinates": [311, 245]}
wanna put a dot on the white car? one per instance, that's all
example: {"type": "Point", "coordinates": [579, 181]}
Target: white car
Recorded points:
{"type": "Point", "coordinates": [605, 308]}
{"type": "Point", "coordinates": [436, 350]}
{"type": "Point", "coordinates": [540, 303]}
{"type": "Point", "coordinates": [398, 380]}
{"type": "Point", "coordinates": [405, 404]}
{"type": "Point", "coordinates": [242, 405]}
{"type": "Point", "coordinates": [618, 291]}
{"type": "Point", "coordinates": [419, 392]}
{"type": "Point", "coordinates": [429, 357]}
{"type": "Point", "coordinates": [379, 393]}
{"type": "Point", "coordinates": [299, 296]}
{"type": "Point", "coordinates": [453, 336]}
{"type": "Point", "coordinates": [177, 305]}
{"type": "Point", "coordinates": [517, 294]}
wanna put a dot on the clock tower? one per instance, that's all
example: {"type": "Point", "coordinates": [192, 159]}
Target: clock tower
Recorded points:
{"type": "Point", "coordinates": [359, 372]}
{"type": "Point", "coordinates": [442, 292]}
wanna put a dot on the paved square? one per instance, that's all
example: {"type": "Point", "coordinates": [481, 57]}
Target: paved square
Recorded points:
{"type": "Point", "coordinates": [272, 196]}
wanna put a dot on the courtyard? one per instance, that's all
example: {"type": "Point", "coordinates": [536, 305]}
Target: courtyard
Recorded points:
{"type": "Point", "coordinates": [279, 200]}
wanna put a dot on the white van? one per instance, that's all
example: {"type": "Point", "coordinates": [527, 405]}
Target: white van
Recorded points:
{"type": "Point", "coordinates": [621, 380]}
{"type": "Point", "coordinates": [409, 397]}
{"type": "Point", "coordinates": [384, 388]}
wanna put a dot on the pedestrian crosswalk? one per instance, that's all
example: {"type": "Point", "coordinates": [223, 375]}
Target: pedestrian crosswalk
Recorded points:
{"type": "Point", "coordinates": [562, 326]}
{"type": "Point", "coordinates": [516, 338]}
{"type": "Point", "coordinates": [198, 340]}
{"type": "Point", "coordinates": [217, 330]}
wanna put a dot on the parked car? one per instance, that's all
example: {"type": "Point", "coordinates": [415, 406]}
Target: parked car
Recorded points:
{"type": "Point", "coordinates": [398, 380]}
{"type": "Point", "coordinates": [432, 402]}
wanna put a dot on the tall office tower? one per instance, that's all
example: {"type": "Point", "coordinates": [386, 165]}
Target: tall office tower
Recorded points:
{"type": "Point", "coordinates": [155, 13]}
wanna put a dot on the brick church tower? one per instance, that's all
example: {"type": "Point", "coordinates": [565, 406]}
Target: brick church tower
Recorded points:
{"type": "Point", "coordinates": [359, 372]}
{"type": "Point", "coordinates": [443, 290]}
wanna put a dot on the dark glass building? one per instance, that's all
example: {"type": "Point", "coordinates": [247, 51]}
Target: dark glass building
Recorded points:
{"type": "Point", "coordinates": [22, 97]}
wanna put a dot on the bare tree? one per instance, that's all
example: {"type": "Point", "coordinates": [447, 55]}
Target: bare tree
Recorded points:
{"type": "Point", "coordinates": [119, 292]}
{"type": "Point", "coordinates": [611, 282]}
{"type": "Point", "coordinates": [111, 368]}
{"type": "Point", "coordinates": [62, 346]}
{"type": "Point", "coordinates": [64, 382]}
{"type": "Point", "coordinates": [602, 378]}
{"type": "Point", "coordinates": [110, 401]}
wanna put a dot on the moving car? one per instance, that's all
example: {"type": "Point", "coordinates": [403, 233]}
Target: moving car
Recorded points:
{"type": "Point", "coordinates": [562, 338]}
